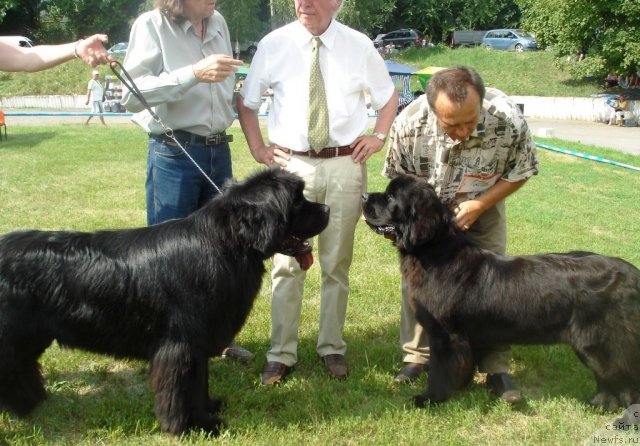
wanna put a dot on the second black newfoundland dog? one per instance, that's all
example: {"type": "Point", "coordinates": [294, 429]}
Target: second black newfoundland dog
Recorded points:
{"type": "Point", "coordinates": [174, 294]}
{"type": "Point", "coordinates": [469, 299]}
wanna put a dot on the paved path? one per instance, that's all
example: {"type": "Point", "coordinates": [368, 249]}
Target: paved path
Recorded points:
{"type": "Point", "coordinates": [626, 139]}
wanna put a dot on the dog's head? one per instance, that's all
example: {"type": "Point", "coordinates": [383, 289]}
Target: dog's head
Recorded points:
{"type": "Point", "coordinates": [269, 212]}
{"type": "Point", "coordinates": [408, 212]}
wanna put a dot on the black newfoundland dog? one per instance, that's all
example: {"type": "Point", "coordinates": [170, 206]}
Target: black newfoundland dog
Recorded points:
{"type": "Point", "coordinates": [174, 294]}
{"type": "Point", "coordinates": [469, 299]}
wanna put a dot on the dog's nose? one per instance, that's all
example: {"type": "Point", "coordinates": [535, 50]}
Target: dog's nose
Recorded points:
{"type": "Point", "coordinates": [365, 197]}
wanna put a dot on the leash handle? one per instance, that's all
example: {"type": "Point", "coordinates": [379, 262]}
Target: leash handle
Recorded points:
{"type": "Point", "coordinates": [133, 88]}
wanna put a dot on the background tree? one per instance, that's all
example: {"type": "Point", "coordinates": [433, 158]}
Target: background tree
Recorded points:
{"type": "Point", "coordinates": [247, 20]}
{"type": "Point", "coordinates": [19, 16]}
{"type": "Point", "coordinates": [607, 31]}
{"type": "Point", "coordinates": [367, 16]}
{"type": "Point", "coordinates": [438, 19]}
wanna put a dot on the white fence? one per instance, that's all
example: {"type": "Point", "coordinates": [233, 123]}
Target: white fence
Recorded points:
{"type": "Point", "coordinates": [582, 109]}
{"type": "Point", "coordinates": [45, 102]}
{"type": "Point", "coordinates": [577, 109]}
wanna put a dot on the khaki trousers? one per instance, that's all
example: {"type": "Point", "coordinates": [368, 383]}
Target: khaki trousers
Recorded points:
{"type": "Point", "coordinates": [339, 183]}
{"type": "Point", "coordinates": [489, 232]}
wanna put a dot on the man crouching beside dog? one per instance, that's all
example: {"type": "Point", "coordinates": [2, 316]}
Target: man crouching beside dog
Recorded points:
{"type": "Point", "coordinates": [474, 147]}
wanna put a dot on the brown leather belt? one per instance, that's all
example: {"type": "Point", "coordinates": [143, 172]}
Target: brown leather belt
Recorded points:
{"type": "Point", "coordinates": [327, 152]}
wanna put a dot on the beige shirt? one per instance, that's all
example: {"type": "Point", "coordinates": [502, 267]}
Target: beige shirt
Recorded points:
{"type": "Point", "coordinates": [160, 58]}
{"type": "Point", "coordinates": [501, 148]}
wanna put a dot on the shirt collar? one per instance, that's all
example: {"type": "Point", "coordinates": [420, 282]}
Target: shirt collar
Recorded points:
{"type": "Point", "coordinates": [213, 27]}
{"type": "Point", "coordinates": [328, 38]}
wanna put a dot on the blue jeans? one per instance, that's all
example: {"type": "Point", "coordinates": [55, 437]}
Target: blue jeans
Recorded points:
{"type": "Point", "coordinates": [174, 186]}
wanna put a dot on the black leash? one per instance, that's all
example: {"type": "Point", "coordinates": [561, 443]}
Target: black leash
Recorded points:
{"type": "Point", "coordinates": [168, 132]}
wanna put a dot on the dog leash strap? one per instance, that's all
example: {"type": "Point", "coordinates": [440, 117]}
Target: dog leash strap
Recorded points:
{"type": "Point", "coordinates": [168, 132]}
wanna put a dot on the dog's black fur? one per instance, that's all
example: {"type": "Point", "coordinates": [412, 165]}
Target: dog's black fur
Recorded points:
{"type": "Point", "coordinates": [175, 293]}
{"type": "Point", "coordinates": [470, 299]}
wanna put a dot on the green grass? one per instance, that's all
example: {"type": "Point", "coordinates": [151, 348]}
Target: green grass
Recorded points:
{"type": "Point", "coordinates": [531, 73]}
{"type": "Point", "coordinates": [68, 177]}
{"type": "Point", "coordinates": [527, 73]}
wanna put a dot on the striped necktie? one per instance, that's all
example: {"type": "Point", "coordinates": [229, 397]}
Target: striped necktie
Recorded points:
{"type": "Point", "coordinates": [318, 117]}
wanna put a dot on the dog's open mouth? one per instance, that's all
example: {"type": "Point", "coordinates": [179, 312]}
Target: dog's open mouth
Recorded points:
{"type": "Point", "coordinates": [388, 231]}
{"type": "Point", "coordinates": [298, 248]}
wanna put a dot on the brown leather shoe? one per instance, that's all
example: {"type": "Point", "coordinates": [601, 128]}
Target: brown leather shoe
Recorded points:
{"type": "Point", "coordinates": [336, 366]}
{"type": "Point", "coordinates": [501, 386]}
{"type": "Point", "coordinates": [274, 372]}
{"type": "Point", "coordinates": [410, 372]}
{"type": "Point", "coordinates": [234, 351]}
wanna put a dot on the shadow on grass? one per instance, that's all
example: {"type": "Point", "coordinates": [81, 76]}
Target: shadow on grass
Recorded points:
{"type": "Point", "coordinates": [25, 141]}
{"type": "Point", "coordinates": [82, 402]}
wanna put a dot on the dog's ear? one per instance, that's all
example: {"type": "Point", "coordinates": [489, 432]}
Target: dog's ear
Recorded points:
{"type": "Point", "coordinates": [426, 218]}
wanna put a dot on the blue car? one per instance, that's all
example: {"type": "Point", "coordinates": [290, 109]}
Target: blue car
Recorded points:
{"type": "Point", "coordinates": [509, 40]}
{"type": "Point", "coordinates": [119, 49]}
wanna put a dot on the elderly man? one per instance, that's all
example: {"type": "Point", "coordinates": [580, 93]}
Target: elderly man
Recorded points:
{"type": "Point", "coordinates": [319, 71]}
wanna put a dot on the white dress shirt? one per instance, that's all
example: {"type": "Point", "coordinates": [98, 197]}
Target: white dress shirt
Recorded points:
{"type": "Point", "coordinates": [350, 67]}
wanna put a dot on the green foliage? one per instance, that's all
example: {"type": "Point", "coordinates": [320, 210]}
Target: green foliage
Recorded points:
{"type": "Point", "coordinates": [246, 19]}
{"type": "Point", "coordinates": [86, 17]}
{"type": "Point", "coordinates": [438, 19]}
{"type": "Point", "coordinates": [79, 178]}
{"type": "Point", "coordinates": [366, 16]}
{"type": "Point", "coordinates": [606, 30]}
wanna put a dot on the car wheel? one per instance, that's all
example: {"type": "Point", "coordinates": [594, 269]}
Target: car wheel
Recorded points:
{"type": "Point", "coordinates": [487, 47]}
{"type": "Point", "coordinates": [519, 48]}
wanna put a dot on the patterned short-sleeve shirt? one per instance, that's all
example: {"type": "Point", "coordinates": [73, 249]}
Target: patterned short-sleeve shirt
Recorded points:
{"type": "Point", "coordinates": [500, 148]}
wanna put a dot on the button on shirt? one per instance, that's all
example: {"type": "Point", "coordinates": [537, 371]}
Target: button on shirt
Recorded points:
{"type": "Point", "coordinates": [501, 148]}
{"type": "Point", "coordinates": [350, 66]}
{"type": "Point", "coordinates": [159, 59]}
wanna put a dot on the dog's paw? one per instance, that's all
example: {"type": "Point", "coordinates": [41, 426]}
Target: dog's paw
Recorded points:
{"type": "Point", "coordinates": [629, 397]}
{"type": "Point", "coordinates": [423, 400]}
{"type": "Point", "coordinates": [605, 401]}
{"type": "Point", "coordinates": [209, 423]}
{"type": "Point", "coordinates": [214, 405]}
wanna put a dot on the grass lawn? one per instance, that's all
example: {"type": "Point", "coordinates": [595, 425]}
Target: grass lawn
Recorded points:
{"type": "Point", "coordinates": [69, 177]}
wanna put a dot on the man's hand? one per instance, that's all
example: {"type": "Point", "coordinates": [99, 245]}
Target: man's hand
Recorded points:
{"type": "Point", "coordinates": [216, 68]}
{"type": "Point", "coordinates": [364, 147]}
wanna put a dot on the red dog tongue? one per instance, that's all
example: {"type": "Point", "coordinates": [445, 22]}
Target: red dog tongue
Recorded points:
{"type": "Point", "coordinates": [305, 260]}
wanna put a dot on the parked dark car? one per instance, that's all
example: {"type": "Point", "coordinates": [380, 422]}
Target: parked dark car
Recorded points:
{"type": "Point", "coordinates": [401, 38]}
{"type": "Point", "coordinates": [509, 40]}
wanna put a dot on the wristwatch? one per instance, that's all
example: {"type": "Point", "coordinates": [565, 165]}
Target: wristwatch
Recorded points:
{"type": "Point", "coordinates": [381, 136]}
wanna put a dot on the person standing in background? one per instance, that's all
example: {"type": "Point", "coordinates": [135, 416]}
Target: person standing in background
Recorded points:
{"type": "Point", "coordinates": [95, 96]}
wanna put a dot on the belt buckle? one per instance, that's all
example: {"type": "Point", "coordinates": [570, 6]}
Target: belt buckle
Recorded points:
{"type": "Point", "coordinates": [213, 140]}
{"type": "Point", "coordinates": [218, 138]}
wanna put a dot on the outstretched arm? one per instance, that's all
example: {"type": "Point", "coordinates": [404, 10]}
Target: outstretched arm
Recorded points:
{"type": "Point", "coordinates": [41, 57]}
